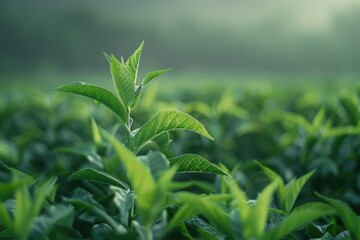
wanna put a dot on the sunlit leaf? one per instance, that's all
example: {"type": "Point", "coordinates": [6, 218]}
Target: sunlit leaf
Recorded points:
{"type": "Point", "coordinates": [123, 82]}
{"type": "Point", "coordinates": [140, 177]}
{"type": "Point", "coordinates": [151, 75]}
{"type": "Point", "coordinates": [164, 121]}
{"type": "Point", "coordinates": [133, 62]}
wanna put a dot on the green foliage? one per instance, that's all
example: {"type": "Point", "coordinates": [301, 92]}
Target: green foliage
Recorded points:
{"type": "Point", "coordinates": [164, 121]}
{"type": "Point", "coordinates": [118, 175]}
{"type": "Point", "coordinates": [347, 215]}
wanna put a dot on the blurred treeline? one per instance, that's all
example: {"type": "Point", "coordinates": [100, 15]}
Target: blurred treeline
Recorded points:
{"type": "Point", "coordinates": [215, 36]}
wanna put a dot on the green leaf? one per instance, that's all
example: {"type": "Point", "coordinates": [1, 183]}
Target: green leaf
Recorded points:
{"type": "Point", "coordinates": [97, 176]}
{"type": "Point", "coordinates": [164, 121]}
{"type": "Point", "coordinates": [163, 141]}
{"type": "Point", "coordinates": [297, 219]}
{"type": "Point", "coordinates": [101, 95]}
{"type": "Point", "coordinates": [280, 191]}
{"type": "Point", "coordinates": [151, 75]}
{"type": "Point", "coordinates": [123, 82]}
{"type": "Point", "coordinates": [292, 190]}
{"type": "Point", "coordinates": [208, 206]}
{"type": "Point", "coordinates": [95, 132]}
{"type": "Point", "coordinates": [141, 180]}
{"type": "Point", "coordinates": [157, 162]}
{"type": "Point", "coordinates": [205, 227]}
{"type": "Point", "coordinates": [66, 221]}
{"type": "Point", "coordinates": [195, 163]}
{"type": "Point", "coordinates": [44, 223]}
{"type": "Point", "coordinates": [83, 150]}
{"type": "Point", "coordinates": [124, 201]}
{"type": "Point", "coordinates": [5, 218]}
{"type": "Point", "coordinates": [137, 96]}
{"type": "Point", "coordinates": [347, 215]}
{"type": "Point", "coordinates": [259, 212]}
{"type": "Point", "coordinates": [7, 189]}
{"type": "Point", "coordinates": [84, 200]}
{"type": "Point", "coordinates": [349, 103]}
{"type": "Point", "coordinates": [133, 62]}
{"type": "Point", "coordinates": [108, 57]}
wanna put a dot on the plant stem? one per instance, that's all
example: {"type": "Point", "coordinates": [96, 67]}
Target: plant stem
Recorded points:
{"type": "Point", "coordinates": [148, 235]}
{"type": "Point", "coordinates": [128, 131]}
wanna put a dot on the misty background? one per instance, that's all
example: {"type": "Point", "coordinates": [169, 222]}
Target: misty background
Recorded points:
{"type": "Point", "coordinates": [262, 38]}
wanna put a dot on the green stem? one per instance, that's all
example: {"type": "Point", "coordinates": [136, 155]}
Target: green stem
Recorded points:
{"type": "Point", "coordinates": [148, 235]}
{"type": "Point", "coordinates": [128, 132]}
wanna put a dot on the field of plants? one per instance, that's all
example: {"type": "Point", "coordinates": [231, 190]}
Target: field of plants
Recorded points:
{"type": "Point", "coordinates": [134, 161]}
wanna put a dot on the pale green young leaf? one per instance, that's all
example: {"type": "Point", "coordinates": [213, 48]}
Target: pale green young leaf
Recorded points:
{"type": "Point", "coordinates": [101, 95]}
{"type": "Point", "coordinates": [23, 214]}
{"type": "Point", "coordinates": [241, 201]}
{"type": "Point", "coordinates": [292, 190]}
{"type": "Point", "coordinates": [318, 120]}
{"type": "Point", "coordinates": [152, 75]}
{"type": "Point", "coordinates": [164, 121]}
{"type": "Point", "coordinates": [133, 62]}
{"type": "Point", "coordinates": [123, 82]}
{"type": "Point", "coordinates": [349, 102]}
{"type": "Point", "coordinates": [8, 188]}
{"type": "Point", "coordinates": [44, 190]}
{"type": "Point", "coordinates": [259, 212]}
{"type": "Point", "coordinates": [97, 176]}
{"type": "Point", "coordinates": [280, 191]}
{"type": "Point", "coordinates": [297, 119]}
{"type": "Point", "coordinates": [195, 163]}
{"type": "Point", "coordinates": [346, 214]}
{"type": "Point", "coordinates": [95, 132]}
{"type": "Point", "coordinates": [5, 218]}
{"type": "Point", "coordinates": [297, 219]}
{"type": "Point", "coordinates": [108, 57]}
{"type": "Point", "coordinates": [140, 177]}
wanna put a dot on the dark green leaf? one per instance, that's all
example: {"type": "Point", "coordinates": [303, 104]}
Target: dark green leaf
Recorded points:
{"type": "Point", "coordinates": [84, 150]}
{"type": "Point", "coordinates": [44, 223]}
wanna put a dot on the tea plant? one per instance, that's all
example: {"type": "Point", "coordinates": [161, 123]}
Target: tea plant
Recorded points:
{"type": "Point", "coordinates": [65, 177]}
